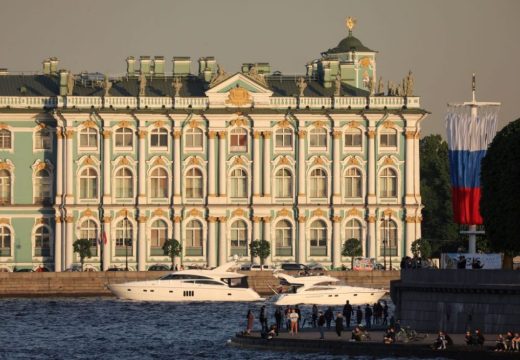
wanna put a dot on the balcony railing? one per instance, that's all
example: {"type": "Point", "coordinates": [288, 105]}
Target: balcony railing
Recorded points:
{"type": "Point", "coordinates": [191, 102]}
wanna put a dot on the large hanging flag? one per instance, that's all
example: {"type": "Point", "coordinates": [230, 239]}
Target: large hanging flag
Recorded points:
{"type": "Point", "coordinates": [470, 128]}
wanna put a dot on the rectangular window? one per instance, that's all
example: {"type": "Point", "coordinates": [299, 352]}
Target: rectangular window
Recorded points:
{"type": "Point", "coordinates": [238, 142]}
{"type": "Point", "coordinates": [159, 140]}
{"type": "Point", "coordinates": [42, 140]}
{"type": "Point", "coordinates": [388, 140]}
{"type": "Point", "coordinates": [353, 140]}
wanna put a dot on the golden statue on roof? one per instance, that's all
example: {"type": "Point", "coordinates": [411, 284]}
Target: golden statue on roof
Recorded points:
{"type": "Point", "coordinates": [238, 96]}
{"type": "Point", "coordinates": [350, 22]}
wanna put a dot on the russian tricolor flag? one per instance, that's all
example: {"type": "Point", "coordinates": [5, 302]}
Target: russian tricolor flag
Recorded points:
{"type": "Point", "coordinates": [470, 130]}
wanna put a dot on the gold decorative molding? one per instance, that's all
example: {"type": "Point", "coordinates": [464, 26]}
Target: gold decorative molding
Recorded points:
{"type": "Point", "coordinates": [302, 134]}
{"type": "Point", "coordinates": [284, 160]}
{"type": "Point", "coordinates": [318, 161]}
{"type": "Point", "coordinates": [284, 124]}
{"type": "Point", "coordinates": [238, 122]}
{"type": "Point", "coordinates": [238, 212]}
{"type": "Point", "coordinates": [3, 126]}
{"type": "Point", "coordinates": [238, 161]}
{"type": "Point", "coordinates": [69, 134]}
{"type": "Point", "coordinates": [142, 134]}
{"type": "Point", "coordinates": [266, 219]}
{"type": "Point", "coordinates": [58, 219]}
{"type": "Point", "coordinates": [4, 165]}
{"type": "Point", "coordinates": [158, 212]}
{"type": "Point", "coordinates": [410, 219]}
{"type": "Point", "coordinates": [319, 124]}
{"type": "Point", "coordinates": [177, 219]}
{"type": "Point", "coordinates": [88, 124]}
{"type": "Point", "coordinates": [41, 166]}
{"type": "Point", "coordinates": [88, 160]}
{"type": "Point", "coordinates": [284, 212]}
{"type": "Point", "coordinates": [177, 134]}
{"type": "Point", "coordinates": [5, 221]}
{"type": "Point", "coordinates": [142, 219]}
{"type": "Point", "coordinates": [159, 161]}
{"type": "Point", "coordinates": [353, 124]}
{"type": "Point", "coordinates": [336, 219]}
{"type": "Point", "coordinates": [212, 134]}
{"type": "Point", "coordinates": [69, 219]}
{"type": "Point", "coordinates": [409, 135]}
{"type": "Point", "coordinates": [318, 212]}
{"type": "Point", "coordinates": [87, 213]}
{"type": "Point", "coordinates": [193, 124]}
{"type": "Point", "coordinates": [257, 134]}
{"type": "Point", "coordinates": [123, 212]}
{"type": "Point", "coordinates": [158, 124]}
{"type": "Point", "coordinates": [123, 124]}
{"type": "Point", "coordinates": [222, 219]}
{"type": "Point", "coordinates": [389, 161]}
{"type": "Point", "coordinates": [124, 161]}
{"type": "Point", "coordinates": [388, 124]}
{"type": "Point", "coordinates": [59, 133]}
{"type": "Point", "coordinates": [212, 219]}
{"type": "Point", "coordinates": [371, 219]}
{"type": "Point", "coordinates": [41, 221]}
{"type": "Point", "coordinates": [222, 135]}
{"type": "Point", "coordinates": [238, 96]}
{"type": "Point", "coordinates": [302, 219]}
{"type": "Point", "coordinates": [354, 212]}
{"type": "Point", "coordinates": [337, 134]}
{"type": "Point", "coordinates": [256, 219]}
{"type": "Point", "coordinates": [195, 213]}
{"type": "Point", "coordinates": [371, 134]}
{"type": "Point", "coordinates": [194, 161]}
{"type": "Point", "coordinates": [388, 212]}
{"type": "Point", "coordinates": [107, 219]}
{"type": "Point", "coordinates": [107, 134]}
{"type": "Point", "coordinates": [267, 134]}
{"type": "Point", "coordinates": [353, 161]}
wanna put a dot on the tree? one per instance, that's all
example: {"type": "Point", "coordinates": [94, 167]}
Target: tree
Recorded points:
{"type": "Point", "coordinates": [260, 248]}
{"type": "Point", "coordinates": [352, 248]}
{"type": "Point", "coordinates": [499, 204]}
{"type": "Point", "coordinates": [172, 248]}
{"type": "Point", "coordinates": [438, 226]}
{"type": "Point", "coordinates": [82, 248]}
{"type": "Point", "coordinates": [422, 248]}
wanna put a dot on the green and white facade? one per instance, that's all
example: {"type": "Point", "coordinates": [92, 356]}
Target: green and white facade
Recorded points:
{"type": "Point", "coordinates": [213, 160]}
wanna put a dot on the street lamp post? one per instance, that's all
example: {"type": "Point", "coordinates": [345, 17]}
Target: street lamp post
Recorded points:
{"type": "Point", "coordinates": [388, 239]}
{"type": "Point", "coordinates": [126, 243]}
{"type": "Point", "coordinates": [385, 237]}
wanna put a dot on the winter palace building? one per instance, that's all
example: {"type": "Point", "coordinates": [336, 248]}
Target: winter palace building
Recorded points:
{"type": "Point", "coordinates": [212, 159]}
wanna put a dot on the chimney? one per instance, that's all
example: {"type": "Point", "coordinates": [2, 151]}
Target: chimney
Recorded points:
{"type": "Point", "coordinates": [181, 66]}
{"type": "Point", "coordinates": [130, 66]}
{"type": "Point", "coordinates": [207, 67]}
{"type": "Point", "coordinates": [263, 68]}
{"type": "Point", "coordinates": [46, 66]}
{"type": "Point", "coordinates": [3, 72]}
{"type": "Point", "coordinates": [145, 65]}
{"type": "Point", "coordinates": [54, 65]}
{"type": "Point", "coordinates": [246, 67]}
{"type": "Point", "coordinates": [158, 66]}
{"type": "Point", "coordinates": [309, 69]}
{"type": "Point", "coordinates": [63, 82]}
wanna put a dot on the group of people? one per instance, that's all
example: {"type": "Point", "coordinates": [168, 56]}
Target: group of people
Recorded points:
{"type": "Point", "coordinates": [503, 343]}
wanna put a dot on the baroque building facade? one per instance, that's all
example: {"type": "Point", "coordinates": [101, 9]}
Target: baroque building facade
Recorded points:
{"type": "Point", "coordinates": [214, 160]}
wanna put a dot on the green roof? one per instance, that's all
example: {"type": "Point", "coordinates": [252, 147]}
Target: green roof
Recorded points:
{"type": "Point", "coordinates": [347, 44]}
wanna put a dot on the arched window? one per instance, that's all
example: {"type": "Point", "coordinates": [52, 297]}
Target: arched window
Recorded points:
{"type": "Point", "coordinates": [284, 184]}
{"type": "Point", "coordinates": [194, 238]}
{"type": "Point", "coordinates": [239, 238]}
{"type": "Point", "coordinates": [388, 239]}
{"type": "Point", "coordinates": [353, 138]}
{"type": "Point", "coordinates": [318, 184]}
{"type": "Point", "coordinates": [193, 138]}
{"type": "Point", "coordinates": [388, 138]}
{"type": "Point", "coordinates": [5, 139]}
{"type": "Point", "coordinates": [318, 238]}
{"type": "Point", "coordinates": [238, 183]}
{"type": "Point", "coordinates": [88, 184]}
{"type": "Point", "coordinates": [159, 138]}
{"type": "Point", "coordinates": [5, 241]}
{"type": "Point", "coordinates": [318, 138]}
{"type": "Point", "coordinates": [124, 243]}
{"type": "Point", "coordinates": [238, 139]}
{"type": "Point", "coordinates": [194, 184]}
{"type": "Point", "coordinates": [42, 140]}
{"type": "Point", "coordinates": [5, 187]}
{"type": "Point", "coordinates": [353, 183]}
{"type": "Point", "coordinates": [284, 241]}
{"type": "Point", "coordinates": [388, 183]}
{"type": "Point", "coordinates": [124, 183]}
{"type": "Point", "coordinates": [353, 230]}
{"type": "Point", "coordinates": [284, 138]}
{"type": "Point", "coordinates": [88, 138]}
{"type": "Point", "coordinates": [159, 235]}
{"type": "Point", "coordinates": [42, 187]}
{"type": "Point", "coordinates": [42, 241]}
{"type": "Point", "coordinates": [124, 138]}
{"type": "Point", "coordinates": [159, 183]}
{"type": "Point", "coordinates": [89, 230]}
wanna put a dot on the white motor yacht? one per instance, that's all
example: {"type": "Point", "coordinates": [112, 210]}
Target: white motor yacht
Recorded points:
{"type": "Point", "coordinates": [217, 284]}
{"type": "Point", "coordinates": [322, 290]}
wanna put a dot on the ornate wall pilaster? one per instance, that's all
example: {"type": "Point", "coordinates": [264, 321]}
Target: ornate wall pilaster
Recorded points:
{"type": "Point", "coordinates": [371, 196]}
{"type": "Point", "coordinates": [301, 163]}
{"type": "Point", "coordinates": [69, 236]}
{"type": "Point", "coordinates": [107, 248]}
{"type": "Point", "coordinates": [336, 187]}
{"type": "Point", "coordinates": [256, 163]}
{"type": "Point", "coordinates": [107, 134]}
{"type": "Point", "coordinates": [211, 164]}
{"type": "Point", "coordinates": [212, 242]}
{"type": "Point", "coordinates": [222, 241]}
{"type": "Point", "coordinates": [60, 162]}
{"type": "Point", "coordinates": [267, 163]}
{"type": "Point", "coordinates": [141, 243]}
{"type": "Point", "coordinates": [58, 245]}
{"type": "Point", "coordinates": [142, 166]}
{"type": "Point", "coordinates": [177, 164]}
{"type": "Point", "coordinates": [372, 236]}
{"type": "Point", "coordinates": [69, 190]}
{"type": "Point", "coordinates": [222, 163]}
{"type": "Point", "coordinates": [301, 240]}
{"type": "Point", "coordinates": [336, 242]}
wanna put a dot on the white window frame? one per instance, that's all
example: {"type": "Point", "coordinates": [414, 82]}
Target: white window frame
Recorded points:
{"type": "Point", "coordinates": [320, 239]}
{"type": "Point", "coordinates": [314, 133]}
{"type": "Point", "coordinates": [313, 191]}
{"type": "Point", "coordinates": [123, 147]}
{"type": "Point", "coordinates": [192, 133]}
{"type": "Point", "coordinates": [189, 177]}
{"type": "Point", "coordinates": [6, 194]}
{"type": "Point", "coordinates": [159, 132]}
{"type": "Point", "coordinates": [133, 183]}
{"type": "Point", "coordinates": [283, 232]}
{"type": "Point", "coordinates": [383, 178]}
{"type": "Point", "coordinates": [6, 134]}
{"type": "Point", "coordinates": [38, 184]}
{"type": "Point", "coordinates": [238, 238]}
{"type": "Point", "coordinates": [347, 176]}
{"type": "Point", "coordinates": [238, 132]}
{"type": "Point", "coordinates": [386, 133]}
{"type": "Point", "coordinates": [87, 131]}
{"type": "Point", "coordinates": [235, 188]}
{"type": "Point", "coordinates": [282, 179]}
{"type": "Point", "coordinates": [153, 177]}
{"type": "Point", "coordinates": [282, 132]}
{"type": "Point", "coordinates": [37, 137]}
{"type": "Point", "coordinates": [96, 178]}
{"type": "Point", "coordinates": [353, 132]}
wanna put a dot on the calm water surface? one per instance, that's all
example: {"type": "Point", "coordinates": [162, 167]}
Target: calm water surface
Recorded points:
{"type": "Point", "coordinates": [105, 328]}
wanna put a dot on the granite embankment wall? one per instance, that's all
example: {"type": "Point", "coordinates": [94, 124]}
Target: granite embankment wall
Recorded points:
{"type": "Point", "coordinates": [457, 300]}
{"type": "Point", "coordinates": [95, 283]}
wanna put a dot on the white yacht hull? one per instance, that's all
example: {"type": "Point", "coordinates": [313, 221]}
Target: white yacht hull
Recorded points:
{"type": "Point", "coordinates": [356, 296]}
{"type": "Point", "coordinates": [175, 291]}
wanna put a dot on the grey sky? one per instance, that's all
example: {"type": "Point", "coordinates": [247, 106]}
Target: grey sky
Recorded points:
{"type": "Point", "coordinates": [441, 41]}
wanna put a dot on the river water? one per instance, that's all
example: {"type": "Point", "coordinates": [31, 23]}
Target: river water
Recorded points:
{"type": "Point", "coordinates": [106, 328]}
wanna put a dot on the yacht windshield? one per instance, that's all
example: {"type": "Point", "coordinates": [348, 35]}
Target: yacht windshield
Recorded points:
{"type": "Point", "coordinates": [236, 282]}
{"type": "Point", "coordinates": [184, 277]}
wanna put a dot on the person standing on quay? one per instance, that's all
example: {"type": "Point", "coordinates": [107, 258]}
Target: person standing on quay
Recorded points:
{"type": "Point", "coordinates": [359, 315]}
{"type": "Point", "coordinates": [293, 317]}
{"type": "Point", "coordinates": [263, 318]}
{"type": "Point", "coordinates": [368, 316]}
{"type": "Point", "coordinates": [329, 316]}
{"type": "Point", "coordinates": [314, 315]}
{"type": "Point", "coordinates": [321, 323]}
{"type": "Point", "coordinates": [347, 313]}
{"type": "Point", "coordinates": [385, 314]}
{"type": "Point", "coordinates": [278, 318]}
{"type": "Point", "coordinates": [297, 310]}
{"type": "Point", "coordinates": [250, 321]}
{"type": "Point", "coordinates": [339, 323]}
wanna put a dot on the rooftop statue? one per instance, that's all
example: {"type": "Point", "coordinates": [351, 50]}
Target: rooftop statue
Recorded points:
{"type": "Point", "coordinates": [220, 76]}
{"type": "Point", "coordinates": [177, 86]}
{"type": "Point", "coordinates": [253, 73]}
{"type": "Point", "coordinates": [107, 85]}
{"type": "Point", "coordinates": [142, 85]}
{"type": "Point", "coordinates": [380, 86]}
{"type": "Point", "coordinates": [408, 84]}
{"type": "Point", "coordinates": [371, 85]}
{"type": "Point", "coordinates": [302, 85]}
{"type": "Point", "coordinates": [70, 84]}
{"type": "Point", "coordinates": [337, 86]}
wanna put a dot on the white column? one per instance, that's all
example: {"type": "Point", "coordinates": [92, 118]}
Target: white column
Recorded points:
{"type": "Point", "coordinates": [107, 248]}
{"type": "Point", "coordinates": [222, 241]}
{"type": "Point", "coordinates": [141, 244]}
{"type": "Point", "coordinates": [336, 242]}
{"type": "Point", "coordinates": [336, 177]}
{"type": "Point", "coordinates": [417, 165]}
{"type": "Point", "coordinates": [177, 236]}
{"type": "Point", "coordinates": [267, 163]}
{"type": "Point", "coordinates": [69, 198]}
{"type": "Point", "coordinates": [301, 240]}
{"type": "Point", "coordinates": [301, 163]}
{"type": "Point", "coordinates": [177, 164]}
{"type": "Point", "coordinates": [58, 245]}
{"type": "Point", "coordinates": [410, 235]}
{"type": "Point", "coordinates": [142, 167]}
{"type": "Point", "coordinates": [256, 163]}
{"type": "Point", "coordinates": [211, 163]}
{"type": "Point", "coordinates": [222, 163]}
{"type": "Point", "coordinates": [256, 234]}
{"type": "Point", "coordinates": [212, 242]}
{"type": "Point", "coordinates": [372, 236]}
{"type": "Point", "coordinates": [59, 168]}
{"type": "Point", "coordinates": [409, 167]}
{"type": "Point", "coordinates": [371, 166]}
{"type": "Point", "coordinates": [267, 236]}
{"type": "Point", "coordinates": [106, 166]}
{"type": "Point", "coordinates": [68, 241]}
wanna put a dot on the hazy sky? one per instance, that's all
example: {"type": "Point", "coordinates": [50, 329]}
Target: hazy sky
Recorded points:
{"type": "Point", "coordinates": [441, 41]}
